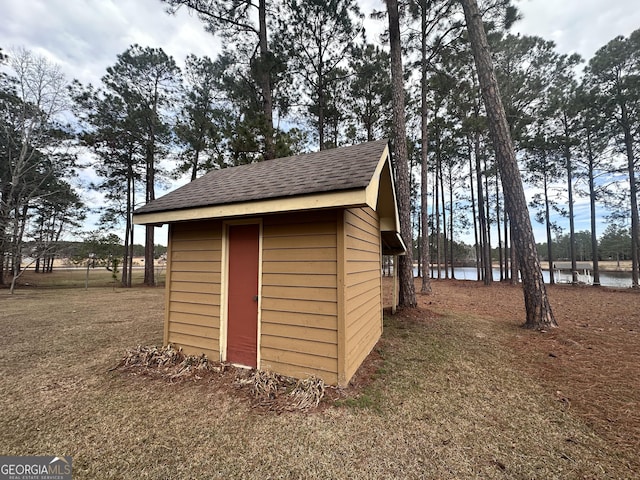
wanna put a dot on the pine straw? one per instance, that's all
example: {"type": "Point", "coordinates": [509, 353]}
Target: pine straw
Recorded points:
{"type": "Point", "coordinates": [269, 391]}
{"type": "Point", "coordinates": [591, 362]}
{"type": "Point", "coordinates": [589, 365]}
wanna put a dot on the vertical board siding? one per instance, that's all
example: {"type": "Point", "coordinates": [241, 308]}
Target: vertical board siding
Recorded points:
{"type": "Point", "coordinates": [363, 285]}
{"type": "Point", "coordinates": [194, 289]}
{"type": "Point", "coordinates": [299, 296]}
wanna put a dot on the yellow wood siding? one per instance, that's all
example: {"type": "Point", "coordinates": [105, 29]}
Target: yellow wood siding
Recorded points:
{"type": "Point", "coordinates": [193, 289]}
{"type": "Point", "coordinates": [306, 323]}
{"type": "Point", "coordinates": [363, 287]}
{"type": "Point", "coordinates": [299, 295]}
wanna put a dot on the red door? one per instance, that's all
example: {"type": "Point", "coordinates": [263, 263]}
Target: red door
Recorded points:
{"type": "Point", "coordinates": [242, 313]}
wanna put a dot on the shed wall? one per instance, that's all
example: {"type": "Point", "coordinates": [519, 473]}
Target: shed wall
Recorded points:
{"type": "Point", "coordinates": [299, 294]}
{"type": "Point", "coordinates": [299, 330]}
{"type": "Point", "coordinates": [193, 287]}
{"type": "Point", "coordinates": [363, 285]}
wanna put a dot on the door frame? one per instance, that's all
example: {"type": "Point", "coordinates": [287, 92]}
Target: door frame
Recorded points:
{"type": "Point", "coordinates": [224, 285]}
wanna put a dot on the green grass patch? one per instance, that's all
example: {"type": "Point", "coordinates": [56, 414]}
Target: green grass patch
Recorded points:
{"type": "Point", "coordinates": [370, 399]}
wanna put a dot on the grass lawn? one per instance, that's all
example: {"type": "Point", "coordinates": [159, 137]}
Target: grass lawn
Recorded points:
{"type": "Point", "coordinates": [457, 395]}
{"type": "Point", "coordinates": [77, 278]}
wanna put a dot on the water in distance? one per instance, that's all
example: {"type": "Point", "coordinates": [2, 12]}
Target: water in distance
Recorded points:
{"type": "Point", "coordinates": [607, 279]}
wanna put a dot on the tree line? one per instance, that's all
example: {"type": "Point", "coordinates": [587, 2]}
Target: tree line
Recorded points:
{"type": "Point", "coordinates": [294, 76]}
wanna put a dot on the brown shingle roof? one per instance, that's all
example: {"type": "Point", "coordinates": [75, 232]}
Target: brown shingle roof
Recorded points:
{"type": "Point", "coordinates": [344, 168]}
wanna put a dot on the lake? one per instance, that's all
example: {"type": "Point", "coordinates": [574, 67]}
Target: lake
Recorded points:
{"type": "Point", "coordinates": [607, 279]}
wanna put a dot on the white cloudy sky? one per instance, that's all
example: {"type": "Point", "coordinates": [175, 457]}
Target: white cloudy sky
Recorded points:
{"type": "Point", "coordinates": [85, 36]}
{"type": "Point", "coordinates": [579, 26]}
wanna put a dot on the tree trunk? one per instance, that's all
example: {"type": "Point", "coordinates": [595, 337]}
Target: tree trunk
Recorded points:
{"type": "Point", "coordinates": [453, 267]}
{"type": "Point", "coordinates": [20, 223]}
{"type": "Point", "coordinates": [498, 227]}
{"type": "Point", "coordinates": [547, 222]}
{"type": "Point", "coordinates": [130, 253]}
{"type": "Point", "coordinates": [5, 240]}
{"type": "Point", "coordinates": [265, 82]}
{"type": "Point", "coordinates": [538, 309]}
{"type": "Point", "coordinates": [196, 161]}
{"type": "Point", "coordinates": [487, 276]}
{"type": "Point", "coordinates": [150, 229]}
{"type": "Point", "coordinates": [424, 160]}
{"type": "Point", "coordinates": [507, 240]}
{"type": "Point", "coordinates": [474, 216]}
{"type": "Point", "coordinates": [436, 218]}
{"type": "Point", "coordinates": [487, 196]}
{"type": "Point", "coordinates": [4, 222]}
{"type": "Point", "coordinates": [418, 225]}
{"type": "Point", "coordinates": [407, 297]}
{"type": "Point", "coordinates": [592, 204]}
{"type": "Point", "coordinates": [635, 222]}
{"type": "Point", "coordinates": [445, 249]}
{"type": "Point", "coordinates": [128, 226]}
{"type": "Point", "coordinates": [572, 228]}
{"type": "Point", "coordinates": [2, 253]}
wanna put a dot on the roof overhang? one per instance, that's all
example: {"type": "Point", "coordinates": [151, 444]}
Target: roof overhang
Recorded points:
{"type": "Point", "coordinates": [392, 243]}
{"type": "Point", "coordinates": [381, 194]}
{"type": "Point", "coordinates": [349, 198]}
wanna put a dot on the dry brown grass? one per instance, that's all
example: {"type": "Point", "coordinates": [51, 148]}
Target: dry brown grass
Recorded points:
{"type": "Point", "coordinates": [450, 399]}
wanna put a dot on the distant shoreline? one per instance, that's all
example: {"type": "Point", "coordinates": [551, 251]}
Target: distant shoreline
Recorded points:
{"type": "Point", "coordinates": [603, 265]}
{"type": "Point", "coordinates": [624, 266]}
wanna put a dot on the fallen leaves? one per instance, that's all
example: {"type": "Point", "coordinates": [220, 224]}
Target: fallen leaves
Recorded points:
{"type": "Point", "coordinates": [270, 391]}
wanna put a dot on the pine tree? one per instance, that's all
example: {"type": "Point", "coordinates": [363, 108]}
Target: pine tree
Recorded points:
{"type": "Point", "coordinates": [407, 294]}
{"type": "Point", "coordinates": [614, 73]}
{"type": "Point", "coordinates": [538, 308]}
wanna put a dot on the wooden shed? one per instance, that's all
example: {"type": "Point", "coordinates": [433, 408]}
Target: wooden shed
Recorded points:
{"type": "Point", "coordinates": [277, 265]}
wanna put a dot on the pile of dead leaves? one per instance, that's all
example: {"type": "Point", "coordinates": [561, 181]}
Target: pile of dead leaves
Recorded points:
{"type": "Point", "coordinates": [269, 391]}
{"type": "Point", "coordinates": [167, 362]}
{"type": "Point", "coordinates": [279, 393]}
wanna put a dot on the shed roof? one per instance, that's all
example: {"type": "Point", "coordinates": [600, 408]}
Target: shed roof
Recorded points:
{"type": "Point", "coordinates": [352, 176]}
{"type": "Point", "coordinates": [325, 171]}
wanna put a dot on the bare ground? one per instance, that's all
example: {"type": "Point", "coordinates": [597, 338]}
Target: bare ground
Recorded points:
{"type": "Point", "coordinates": [455, 389]}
